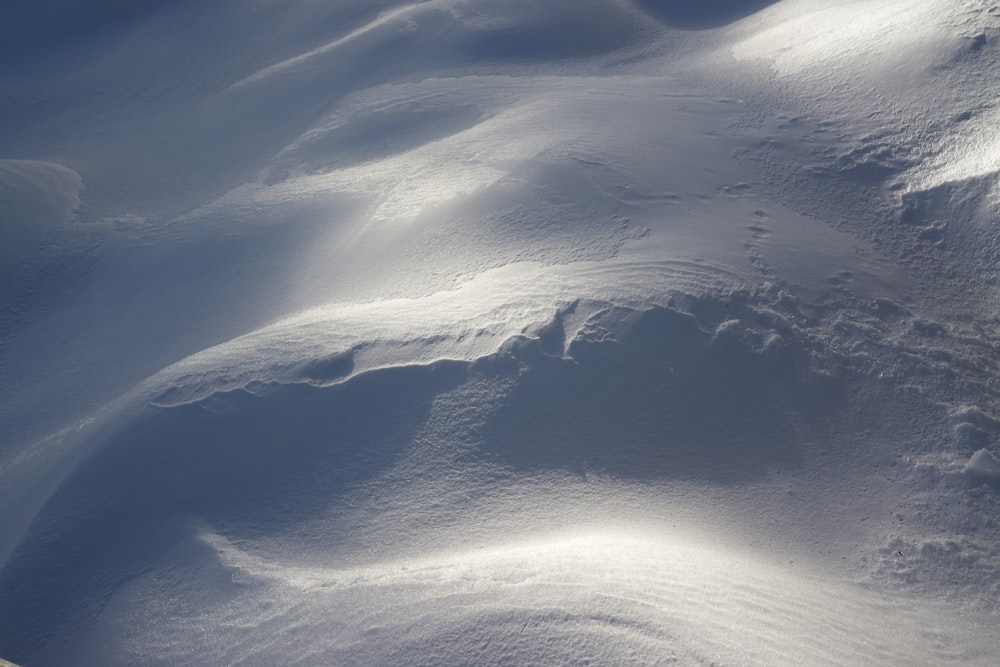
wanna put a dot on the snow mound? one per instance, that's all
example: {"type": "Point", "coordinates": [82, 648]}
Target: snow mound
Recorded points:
{"type": "Point", "coordinates": [425, 438]}
{"type": "Point", "coordinates": [984, 465]}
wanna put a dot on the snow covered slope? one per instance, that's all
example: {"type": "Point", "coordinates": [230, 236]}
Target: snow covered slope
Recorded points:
{"type": "Point", "coordinates": [35, 197]}
{"type": "Point", "coordinates": [504, 332]}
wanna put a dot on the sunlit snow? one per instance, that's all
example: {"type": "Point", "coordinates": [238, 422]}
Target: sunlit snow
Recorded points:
{"type": "Point", "coordinates": [497, 332]}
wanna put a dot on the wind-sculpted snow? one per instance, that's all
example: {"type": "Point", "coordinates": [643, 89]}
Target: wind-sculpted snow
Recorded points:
{"type": "Point", "coordinates": [604, 597]}
{"type": "Point", "coordinates": [491, 332]}
{"type": "Point", "coordinates": [324, 448]}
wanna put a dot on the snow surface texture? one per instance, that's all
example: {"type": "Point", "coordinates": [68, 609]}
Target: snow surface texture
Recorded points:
{"type": "Point", "coordinates": [499, 332]}
{"type": "Point", "coordinates": [35, 197]}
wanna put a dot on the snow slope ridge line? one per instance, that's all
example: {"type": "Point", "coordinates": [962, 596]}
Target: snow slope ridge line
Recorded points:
{"type": "Point", "coordinates": [802, 36]}
{"type": "Point", "coordinates": [303, 60]}
{"type": "Point", "coordinates": [703, 15]}
{"type": "Point", "coordinates": [613, 597]}
{"type": "Point", "coordinates": [330, 345]}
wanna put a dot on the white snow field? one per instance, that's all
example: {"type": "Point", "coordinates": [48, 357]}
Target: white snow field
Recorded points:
{"type": "Point", "coordinates": [500, 332]}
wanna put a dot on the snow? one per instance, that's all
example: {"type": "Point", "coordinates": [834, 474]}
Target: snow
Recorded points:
{"type": "Point", "coordinates": [605, 598]}
{"type": "Point", "coordinates": [35, 197]}
{"type": "Point", "coordinates": [983, 464]}
{"type": "Point", "coordinates": [499, 332]}
{"type": "Point", "coordinates": [801, 36]}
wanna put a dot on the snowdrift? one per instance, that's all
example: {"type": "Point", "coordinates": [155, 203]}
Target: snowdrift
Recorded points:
{"type": "Point", "coordinates": [470, 331]}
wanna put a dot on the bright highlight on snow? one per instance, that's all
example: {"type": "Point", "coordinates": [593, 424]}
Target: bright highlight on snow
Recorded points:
{"type": "Point", "coordinates": [499, 332]}
{"type": "Point", "coordinates": [607, 598]}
